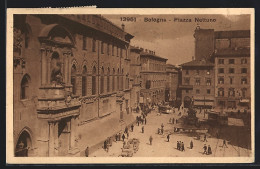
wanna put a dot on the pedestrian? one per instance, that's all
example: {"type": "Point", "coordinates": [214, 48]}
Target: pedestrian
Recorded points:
{"type": "Point", "coordinates": [87, 152]}
{"type": "Point", "coordinates": [209, 150]}
{"type": "Point", "coordinates": [178, 145]}
{"type": "Point", "coordinates": [142, 129]}
{"type": "Point", "coordinates": [205, 149]}
{"type": "Point", "coordinates": [173, 120]}
{"type": "Point", "coordinates": [182, 146]}
{"type": "Point", "coordinates": [224, 144]}
{"type": "Point", "coordinates": [162, 130]}
{"type": "Point", "coordinates": [159, 130]}
{"type": "Point", "coordinates": [126, 129]}
{"type": "Point", "coordinates": [162, 125]}
{"type": "Point", "coordinates": [168, 137]}
{"type": "Point", "coordinates": [119, 137]}
{"type": "Point", "coordinates": [191, 144]}
{"type": "Point", "coordinates": [116, 136]}
{"type": "Point", "coordinates": [151, 140]}
{"type": "Point", "coordinates": [132, 127]}
{"type": "Point", "coordinates": [170, 120]}
{"type": "Point", "coordinates": [138, 122]}
{"type": "Point", "coordinates": [110, 141]}
{"type": "Point", "coordinates": [176, 121]}
{"type": "Point", "coordinates": [123, 137]}
{"type": "Point", "coordinates": [145, 120]}
{"type": "Point", "coordinates": [205, 138]}
{"type": "Point", "coordinates": [105, 145]}
{"type": "Point", "coordinates": [174, 129]}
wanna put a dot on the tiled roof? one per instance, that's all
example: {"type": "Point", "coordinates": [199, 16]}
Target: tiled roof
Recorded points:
{"type": "Point", "coordinates": [152, 55]}
{"type": "Point", "coordinates": [202, 62]}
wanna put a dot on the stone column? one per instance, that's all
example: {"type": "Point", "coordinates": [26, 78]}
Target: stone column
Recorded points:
{"type": "Point", "coordinates": [56, 138]}
{"type": "Point", "coordinates": [51, 139]}
{"type": "Point", "coordinates": [72, 132]}
{"type": "Point", "coordinates": [48, 66]}
{"type": "Point", "coordinates": [43, 66]}
{"type": "Point", "coordinates": [69, 68]}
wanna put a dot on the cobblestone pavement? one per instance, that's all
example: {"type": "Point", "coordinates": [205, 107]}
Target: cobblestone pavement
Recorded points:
{"type": "Point", "coordinates": [161, 148]}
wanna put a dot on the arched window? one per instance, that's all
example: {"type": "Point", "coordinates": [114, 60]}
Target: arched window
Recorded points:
{"type": "Point", "coordinates": [94, 80]}
{"type": "Point", "coordinates": [102, 81]}
{"type": "Point", "coordinates": [127, 81]}
{"type": "Point", "coordinates": [84, 81]}
{"type": "Point", "coordinates": [73, 78]}
{"type": "Point", "coordinates": [108, 80]}
{"type": "Point", "coordinates": [25, 87]}
{"type": "Point", "coordinates": [113, 80]}
{"type": "Point", "coordinates": [118, 83]}
{"type": "Point", "coordinates": [122, 80]}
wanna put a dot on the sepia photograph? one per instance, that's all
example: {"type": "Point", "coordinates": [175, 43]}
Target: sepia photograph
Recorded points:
{"type": "Point", "coordinates": [89, 83]}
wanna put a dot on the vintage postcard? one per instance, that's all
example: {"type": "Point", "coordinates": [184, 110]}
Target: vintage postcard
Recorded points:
{"type": "Point", "coordinates": [92, 86]}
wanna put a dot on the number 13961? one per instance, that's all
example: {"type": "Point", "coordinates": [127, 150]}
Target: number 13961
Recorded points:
{"type": "Point", "coordinates": [128, 19]}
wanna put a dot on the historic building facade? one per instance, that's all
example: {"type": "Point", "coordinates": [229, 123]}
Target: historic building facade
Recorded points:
{"type": "Point", "coordinates": [68, 70]}
{"type": "Point", "coordinates": [153, 78]}
{"type": "Point", "coordinates": [172, 82]}
{"type": "Point", "coordinates": [232, 65]}
{"type": "Point", "coordinates": [227, 55]}
{"type": "Point", "coordinates": [198, 84]}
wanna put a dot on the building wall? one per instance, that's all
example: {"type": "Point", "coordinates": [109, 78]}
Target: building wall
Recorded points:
{"type": "Point", "coordinates": [200, 89]}
{"type": "Point", "coordinates": [102, 103]}
{"type": "Point", "coordinates": [153, 79]}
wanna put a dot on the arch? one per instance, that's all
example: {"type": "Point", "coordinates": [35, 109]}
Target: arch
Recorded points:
{"type": "Point", "coordinates": [74, 62]}
{"type": "Point", "coordinates": [57, 33]}
{"type": "Point", "coordinates": [25, 87]}
{"type": "Point", "coordinates": [23, 143]}
{"type": "Point", "coordinates": [187, 101]}
{"type": "Point", "coordinates": [84, 81]}
{"type": "Point", "coordinates": [73, 78]}
{"type": "Point", "coordinates": [94, 71]}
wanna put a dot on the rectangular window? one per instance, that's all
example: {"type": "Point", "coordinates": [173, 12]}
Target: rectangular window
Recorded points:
{"type": "Point", "coordinates": [221, 80]}
{"type": "Point", "coordinates": [197, 91]}
{"type": "Point", "coordinates": [197, 81]}
{"type": "Point", "coordinates": [84, 46]}
{"type": "Point", "coordinates": [231, 70]}
{"type": "Point", "coordinates": [108, 51]}
{"type": "Point", "coordinates": [187, 81]}
{"type": "Point", "coordinates": [243, 70]}
{"type": "Point", "coordinates": [231, 80]}
{"type": "Point", "coordinates": [243, 80]}
{"type": "Point", "coordinates": [208, 91]}
{"type": "Point", "coordinates": [244, 61]}
{"type": "Point", "coordinates": [220, 61]}
{"type": "Point", "coordinates": [221, 92]}
{"type": "Point", "coordinates": [231, 61]}
{"type": "Point", "coordinates": [208, 82]}
{"type": "Point", "coordinates": [220, 70]}
{"type": "Point", "coordinates": [113, 50]}
{"type": "Point", "coordinates": [102, 47]}
{"type": "Point", "coordinates": [94, 45]}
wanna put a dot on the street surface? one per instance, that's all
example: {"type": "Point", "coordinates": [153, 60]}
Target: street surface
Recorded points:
{"type": "Point", "coordinates": [161, 148]}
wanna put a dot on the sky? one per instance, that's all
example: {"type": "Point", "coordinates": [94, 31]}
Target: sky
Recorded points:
{"type": "Point", "coordinates": [174, 40]}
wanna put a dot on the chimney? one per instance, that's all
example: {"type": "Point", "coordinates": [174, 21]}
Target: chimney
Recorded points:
{"type": "Point", "coordinates": [123, 27]}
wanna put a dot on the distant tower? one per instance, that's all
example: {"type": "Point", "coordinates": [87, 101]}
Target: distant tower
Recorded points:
{"type": "Point", "coordinates": [204, 42]}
